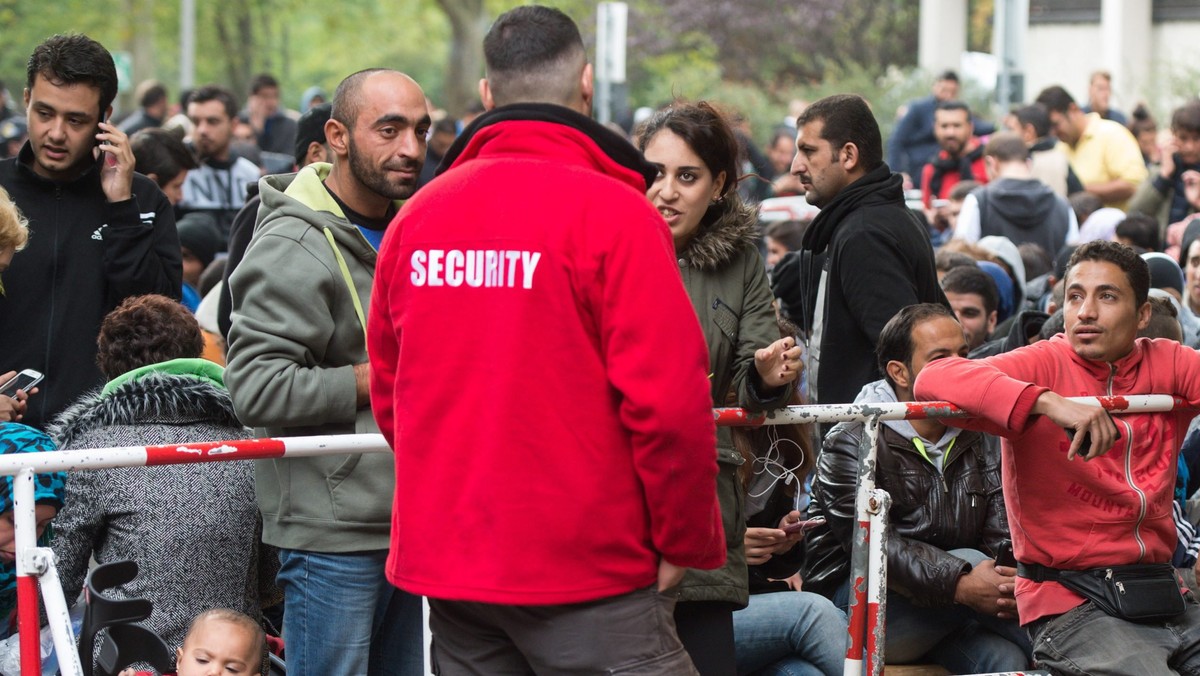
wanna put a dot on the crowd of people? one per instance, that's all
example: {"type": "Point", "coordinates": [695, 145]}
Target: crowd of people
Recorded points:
{"type": "Point", "coordinates": [539, 313]}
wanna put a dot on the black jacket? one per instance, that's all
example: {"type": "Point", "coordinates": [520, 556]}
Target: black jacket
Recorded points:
{"type": "Point", "coordinates": [931, 513]}
{"type": "Point", "coordinates": [84, 257]}
{"type": "Point", "coordinates": [879, 260]}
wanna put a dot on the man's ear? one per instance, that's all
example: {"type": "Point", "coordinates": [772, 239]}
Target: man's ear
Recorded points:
{"type": "Point", "coordinates": [898, 373]}
{"type": "Point", "coordinates": [27, 97]}
{"type": "Point", "coordinates": [587, 87]}
{"type": "Point", "coordinates": [991, 322]}
{"type": "Point", "coordinates": [485, 94]}
{"type": "Point", "coordinates": [848, 157]}
{"type": "Point", "coordinates": [1143, 316]}
{"type": "Point", "coordinates": [336, 135]}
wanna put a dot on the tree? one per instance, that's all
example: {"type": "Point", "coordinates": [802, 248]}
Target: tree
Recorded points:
{"type": "Point", "coordinates": [468, 25]}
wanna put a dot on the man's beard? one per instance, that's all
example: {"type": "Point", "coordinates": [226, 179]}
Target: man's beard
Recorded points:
{"type": "Point", "coordinates": [376, 179]}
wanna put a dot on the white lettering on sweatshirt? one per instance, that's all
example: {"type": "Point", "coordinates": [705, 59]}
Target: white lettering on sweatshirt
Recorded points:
{"type": "Point", "coordinates": [475, 268]}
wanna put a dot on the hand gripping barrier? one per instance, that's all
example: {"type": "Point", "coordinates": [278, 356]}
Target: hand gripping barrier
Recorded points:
{"type": "Point", "coordinates": [868, 562]}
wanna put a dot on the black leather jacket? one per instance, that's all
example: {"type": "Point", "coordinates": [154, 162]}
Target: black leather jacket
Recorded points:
{"type": "Point", "coordinates": [931, 513]}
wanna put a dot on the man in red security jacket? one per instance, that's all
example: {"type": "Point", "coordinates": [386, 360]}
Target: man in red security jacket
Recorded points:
{"type": "Point", "coordinates": [1079, 506]}
{"type": "Point", "coordinates": [539, 370]}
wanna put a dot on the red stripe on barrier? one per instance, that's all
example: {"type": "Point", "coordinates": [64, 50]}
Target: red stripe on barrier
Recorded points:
{"type": "Point", "coordinates": [27, 625]}
{"type": "Point", "coordinates": [242, 449]}
{"type": "Point", "coordinates": [858, 619]}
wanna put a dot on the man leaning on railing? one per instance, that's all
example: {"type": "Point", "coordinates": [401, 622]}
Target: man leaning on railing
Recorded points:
{"type": "Point", "coordinates": [1090, 507]}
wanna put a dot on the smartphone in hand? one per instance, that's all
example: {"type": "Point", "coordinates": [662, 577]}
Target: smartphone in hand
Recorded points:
{"type": "Point", "coordinates": [22, 381]}
{"type": "Point", "coordinates": [803, 526]}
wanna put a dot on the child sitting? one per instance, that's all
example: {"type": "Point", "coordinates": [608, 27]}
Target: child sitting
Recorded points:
{"type": "Point", "coordinates": [219, 641]}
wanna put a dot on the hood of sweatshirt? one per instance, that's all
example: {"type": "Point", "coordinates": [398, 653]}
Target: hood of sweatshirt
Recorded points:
{"type": "Point", "coordinates": [1022, 202]}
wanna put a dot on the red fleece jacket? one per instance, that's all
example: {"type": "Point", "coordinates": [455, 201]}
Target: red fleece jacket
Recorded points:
{"type": "Point", "coordinates": [1074, 515]}
{"type": "Point", "coordinates": [540, 372]}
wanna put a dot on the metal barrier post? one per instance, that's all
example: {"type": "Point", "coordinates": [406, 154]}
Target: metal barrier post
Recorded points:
{"type": "Point", "coordinates": [25, 540]}
{"type": "Point", "coordinates": [859, 564]}
{"type": "Point", "coordinates": [876, 612]}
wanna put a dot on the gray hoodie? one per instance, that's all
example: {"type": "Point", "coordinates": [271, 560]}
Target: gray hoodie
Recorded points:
{"type": "Point", "coordinates": [880, 392]}
{"type": "Point", "coordinates": [294, 341]}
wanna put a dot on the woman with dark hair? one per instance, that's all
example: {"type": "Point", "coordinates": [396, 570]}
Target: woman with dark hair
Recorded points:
{"type": "Point", "coordinates": [715, 235]}
{"type": "Point", "coordinates": [782, 237]}
{"type": "Point", "coordinates": [192, 529]}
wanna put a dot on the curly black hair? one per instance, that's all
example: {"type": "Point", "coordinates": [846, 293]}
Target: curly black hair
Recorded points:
{"type": "Point", "coordinates": [146, 330]}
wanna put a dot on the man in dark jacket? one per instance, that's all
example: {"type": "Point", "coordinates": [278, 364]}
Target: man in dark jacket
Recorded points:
{"type": "Point", "coordinates": [1015, 204]}
{"type": "Point", "coordinates": [865, 255]}
{"type": "Point", "coordinates": [947, 601]}
{"type": "Point", "coordinates": [99, 232]}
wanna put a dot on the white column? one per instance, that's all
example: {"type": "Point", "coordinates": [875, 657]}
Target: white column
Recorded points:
{"type": "Point", "coordinates": [943, 34]}
{"type": "Point", "coordinates": [1125, 30]}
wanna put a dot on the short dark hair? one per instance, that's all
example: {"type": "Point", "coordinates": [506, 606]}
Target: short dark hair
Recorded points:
{"type": "Point", "coordinates": [971, 279]}
{"type": "Point", "coordinates": [1036, 259]}
{"type": "Point", "coordinates": [533, 54]}
{"type": "Point", "coordinates": [946, 260]}
{"type": "Point", "coordinates": [952, 106]}
{"type": "Point", "coordinates": [214, 92]}
{"type": "Point", "coordinates": [74, 59]}
{"type": "Point", "coordinates": [847, 118]}
{"type": "Point", "coordinates": [159, 152]}
{"type": "Point", "coordinates": [1006, 146]}
{"type": "Point", "coordinates": [1187, 117]}
{"type": "Point", "coordinates": [789, 233]}
{"type": "Point", "coordinates": [345, 97]}
{"type": "Point", "coordinates": [1141, 120]}
{"type": "Point", "coordinates": [263, 81]}
{"type": "Point", "coordinates": [1035, 115]}
{"type": "Point", "coordinates": [1141, 231]}
{"type": "Point", "coordinates": [146, 330]}
{"type": "Point", "coordinates": [947, 75]}
{"type": "Point", "coordinates": [1164, 321]}
{"type": "Point", "coordinates": [1134, 266]}
{"type": "Point", "coordinates": [1056, 99]}
{"type": "Point", "coordinates": [151, 93]}
{"type": "Point", "coordinates": [896, 341]}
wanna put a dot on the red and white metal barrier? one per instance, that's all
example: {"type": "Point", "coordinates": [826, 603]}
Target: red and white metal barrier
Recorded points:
{"type": "Point", "coordinates": [868, 561]}
{"type": "Point", "coordinates": [36, 564]}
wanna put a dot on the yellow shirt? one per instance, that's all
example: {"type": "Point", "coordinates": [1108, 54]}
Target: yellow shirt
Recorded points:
{"type": "Point", "coordinates": [1106, 151]}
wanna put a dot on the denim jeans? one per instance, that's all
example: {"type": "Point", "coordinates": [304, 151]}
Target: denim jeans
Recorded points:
{"type": "Point", "coordinates": [1086, 640]}
{"type": "Point", "coordinates": [956, 637]}
{"type": "Point", "coordinates": [342, 616]}
{"type": "Point", "coordinates": [790, 634]}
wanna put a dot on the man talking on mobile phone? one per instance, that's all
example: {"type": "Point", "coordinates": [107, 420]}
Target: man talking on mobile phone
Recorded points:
{"type": "Point", "coordinates": [98, 232]}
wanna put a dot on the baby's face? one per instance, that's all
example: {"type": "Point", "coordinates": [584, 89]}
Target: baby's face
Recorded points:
{"type": "Point", "coordinates": [219, 648]}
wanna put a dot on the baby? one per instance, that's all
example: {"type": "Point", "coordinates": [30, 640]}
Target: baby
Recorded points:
{"type": "Point", "coordinates": [220, 641]}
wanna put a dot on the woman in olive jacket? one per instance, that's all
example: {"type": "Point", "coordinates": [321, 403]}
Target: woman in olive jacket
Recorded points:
{"type": "Point", "coordinates": [715, 235]}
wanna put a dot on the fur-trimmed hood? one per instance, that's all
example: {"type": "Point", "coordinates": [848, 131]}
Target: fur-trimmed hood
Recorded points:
{"type": "Point", "coordinates": [720, 241]}
{"type": "Point", "coordinates": [153, 398]}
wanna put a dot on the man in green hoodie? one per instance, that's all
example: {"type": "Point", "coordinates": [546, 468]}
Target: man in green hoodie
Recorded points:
{"type": "Point", "coordinates": [298, 366]}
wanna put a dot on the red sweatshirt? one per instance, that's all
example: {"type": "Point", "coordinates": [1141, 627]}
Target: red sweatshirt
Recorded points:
{"type": "Point", "coordinates": [1112, 510]}
{"type": "Point", "coordinates": [540, 372]}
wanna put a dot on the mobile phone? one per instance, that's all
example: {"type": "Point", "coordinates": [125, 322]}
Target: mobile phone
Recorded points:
{"type": "Point", "coordinates": [22, 381]}
{"type": "Point", "coordinates": [1005, 556]}
{"type": "Point", "coordinates": [802, 526]}
{"type": "Point", "coordinates": [1087, 436]}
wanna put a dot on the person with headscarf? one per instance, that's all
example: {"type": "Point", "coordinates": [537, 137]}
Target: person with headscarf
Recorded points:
{"type": "Point", "coordinates": [49, 495]}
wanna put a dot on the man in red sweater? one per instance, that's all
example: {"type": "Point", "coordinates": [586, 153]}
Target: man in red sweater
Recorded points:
{"type": "Point", "coordinates": [1100, 500]}
{"type": "Point", "coordinates": [540, 372]}
{"type": "Point", "coordinates": [959, 157]}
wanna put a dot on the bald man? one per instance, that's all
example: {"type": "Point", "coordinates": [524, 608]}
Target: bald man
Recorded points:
{"type": "Point", "coordinates": [298, 366]}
